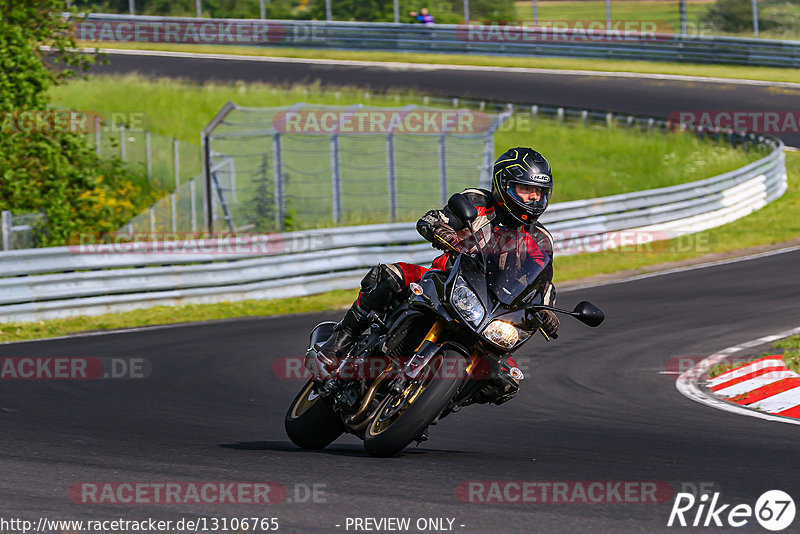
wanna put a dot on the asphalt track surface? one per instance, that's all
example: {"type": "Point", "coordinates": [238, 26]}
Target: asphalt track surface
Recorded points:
{"type": "Point", "coordinates": [638, 96]}
{"type": "Point", "coordinates": [594, 407]}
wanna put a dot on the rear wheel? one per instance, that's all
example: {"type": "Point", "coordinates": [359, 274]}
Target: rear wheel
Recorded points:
{"type": "Point", "coordinates": [402, 418]}
{"type": "Point", "coordinates": [311, 423]}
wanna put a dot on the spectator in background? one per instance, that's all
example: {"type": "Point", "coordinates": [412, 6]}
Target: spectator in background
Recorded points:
{"type": "Point", "coordinates": [415, 17]}
{"type": "Point", "coordinates": [425, 17]}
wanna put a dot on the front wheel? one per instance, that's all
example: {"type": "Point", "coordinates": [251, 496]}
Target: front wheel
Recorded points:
{"type": "Point", "coordinates": [311, 423]}
{"type": "Point", "coordinates": [400, 419]}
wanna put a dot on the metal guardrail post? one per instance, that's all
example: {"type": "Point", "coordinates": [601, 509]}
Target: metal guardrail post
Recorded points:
{"type": "Point", "coordinates": [6, 229]}
{"type": "Point", "coordinates": [442, 170]}
{"type": "Point", "coordinates": [336, 180]}
{"type": "Point", "coordinates": [391, 177]}
{"type": "Point", "coordinates": [152, 221]}
{"type": "Point", "coordinates": [277, 169]}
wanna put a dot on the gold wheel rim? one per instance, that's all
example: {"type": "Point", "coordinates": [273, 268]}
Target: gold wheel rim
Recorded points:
{"type": "Point", "coordinates": [304, 403]}
{"type": "Point", "coordinates": [404, 401]}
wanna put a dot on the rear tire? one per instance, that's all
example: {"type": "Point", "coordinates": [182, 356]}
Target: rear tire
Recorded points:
{"type": "Point", "coordinates": [310, 422]}
{"type": "Point", "coordinates": [399, 420]}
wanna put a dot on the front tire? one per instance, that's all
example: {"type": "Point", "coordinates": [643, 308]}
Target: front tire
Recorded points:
{"type": "Point", "coordinates": [400, 419]}
{"type": "Point", "coordinates": [310, 422]}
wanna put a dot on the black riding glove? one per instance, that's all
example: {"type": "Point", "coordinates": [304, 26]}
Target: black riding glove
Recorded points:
{"type": "Point", "coordinates": [445, 238]}
{"type": "Point", "coordinates": [550, 323]}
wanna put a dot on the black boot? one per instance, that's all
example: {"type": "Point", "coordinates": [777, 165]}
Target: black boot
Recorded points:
{"type": "Point", "coordinates": [353, 324]}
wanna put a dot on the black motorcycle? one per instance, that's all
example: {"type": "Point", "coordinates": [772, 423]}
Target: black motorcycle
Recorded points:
{"type": "Point", "coordinates": [444, 348]}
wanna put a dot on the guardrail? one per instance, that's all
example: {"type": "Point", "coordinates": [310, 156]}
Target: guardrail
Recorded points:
{"type": "Point", "coordinates": [448, 38]}
{"type": "Point", "coordinates": [93, 279]}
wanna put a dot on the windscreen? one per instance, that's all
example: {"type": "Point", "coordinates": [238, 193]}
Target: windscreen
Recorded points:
{"type": "Point", "coordinates": [513, 261]}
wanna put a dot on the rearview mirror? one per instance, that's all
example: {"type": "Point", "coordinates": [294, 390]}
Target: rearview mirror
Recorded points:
{"type": "Point", "coordinates": [589, 314]}
{"type": "Point", "coordinates": [462, 208]}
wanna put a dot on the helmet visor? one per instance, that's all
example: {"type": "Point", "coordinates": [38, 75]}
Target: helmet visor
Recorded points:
{"type": "Point", "coordinates": [529, 195]}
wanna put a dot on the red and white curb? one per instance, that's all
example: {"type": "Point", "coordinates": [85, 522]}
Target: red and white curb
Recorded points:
{"type": "Point", "coordinates": [763, 388]}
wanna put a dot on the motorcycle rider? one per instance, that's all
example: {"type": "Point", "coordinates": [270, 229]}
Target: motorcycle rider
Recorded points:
{"type": "Point", "coordinates": [521, 188]}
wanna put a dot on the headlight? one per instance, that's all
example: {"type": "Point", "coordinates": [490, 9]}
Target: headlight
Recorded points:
{"type": "Point", "coordinates": [502, 333]}
{"type": "Point", "coordinates": [466, 302]}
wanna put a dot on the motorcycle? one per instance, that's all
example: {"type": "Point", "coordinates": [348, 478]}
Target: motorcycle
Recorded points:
{"type": "Point", "coordinates": [435, 353]}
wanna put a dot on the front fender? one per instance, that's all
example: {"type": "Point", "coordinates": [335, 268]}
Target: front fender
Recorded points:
{"type": "Point", "coordinates": [426, 352]}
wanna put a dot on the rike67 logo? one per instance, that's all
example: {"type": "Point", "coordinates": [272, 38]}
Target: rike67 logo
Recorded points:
{"type": "Point", "coordinates": [774, 510]}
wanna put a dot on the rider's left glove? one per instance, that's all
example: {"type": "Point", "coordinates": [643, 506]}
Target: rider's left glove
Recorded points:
{"type": "Point", "coordinates": [550, 323]}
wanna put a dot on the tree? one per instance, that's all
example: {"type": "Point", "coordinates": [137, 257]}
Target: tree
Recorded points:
{"type": "Point", "coordinates": [53, 171]}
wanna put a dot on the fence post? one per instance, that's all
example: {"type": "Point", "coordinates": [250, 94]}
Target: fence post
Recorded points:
{"type": "Point", "coordinates": [149, 155]}
{"type": "Point", "coordinates": [232, 175]}
{"type": "Point", "coordinates": [122, 141]}
{"type": "Point", "coordinates": [176, 156]}
{"type": "Point", "coordinates": [391, 177]}
{"type": "Point", "coordinates": [98, 137]}
{"type": "Point", "coordinates": [131, 7]}
{"type": "Point", "coordinates": [486, 168]}
{"type": "Point", "coordinates": [152, 222]}
{"type": "Point", "coordinates": [336, 180]}
{"type": "Point", "coordinates": [173, 201]}
{"type": "Point", "coordinates": [262, 9]}
{"type": "Point", "coordinates": [277, 169]}
{"type": "Point", "coordinates": [442, 171]}
{"type": "Point", "coordinates": [6, 224]}
{"type": "Point", "coordinates": [193, 194]}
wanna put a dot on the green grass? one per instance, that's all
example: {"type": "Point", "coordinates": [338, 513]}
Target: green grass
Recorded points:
{"type": "Point", "coordinates": [665, 14]}
{"type": "Point", "coordinates": [791, 354]}
{"type": "Point", "coordinates": [645, 67]}
{"type": "Point", "coordinates": [159, 315]}
{"type": "Point", "coordinates": [590, 161]}
{"type": "Point", "coordinates": [774, 224]}
{"type": "Point", "coordinates": [788, 347]}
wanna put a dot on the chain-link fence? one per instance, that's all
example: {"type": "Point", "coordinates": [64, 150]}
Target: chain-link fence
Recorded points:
{"type": "Point", "coordinates": [306, 166]}
{"type": "Point", "coordinates": [21, 230]}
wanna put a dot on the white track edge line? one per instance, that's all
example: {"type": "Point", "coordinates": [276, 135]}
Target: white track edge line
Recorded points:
{"type": "Point", "coordinates": [445, 66]}
{"type": "Point", "coordinates": [687, 383]}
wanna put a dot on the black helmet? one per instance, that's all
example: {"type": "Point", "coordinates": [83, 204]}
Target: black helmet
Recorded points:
{"type": "Point", "coordinates": [527, 167]}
